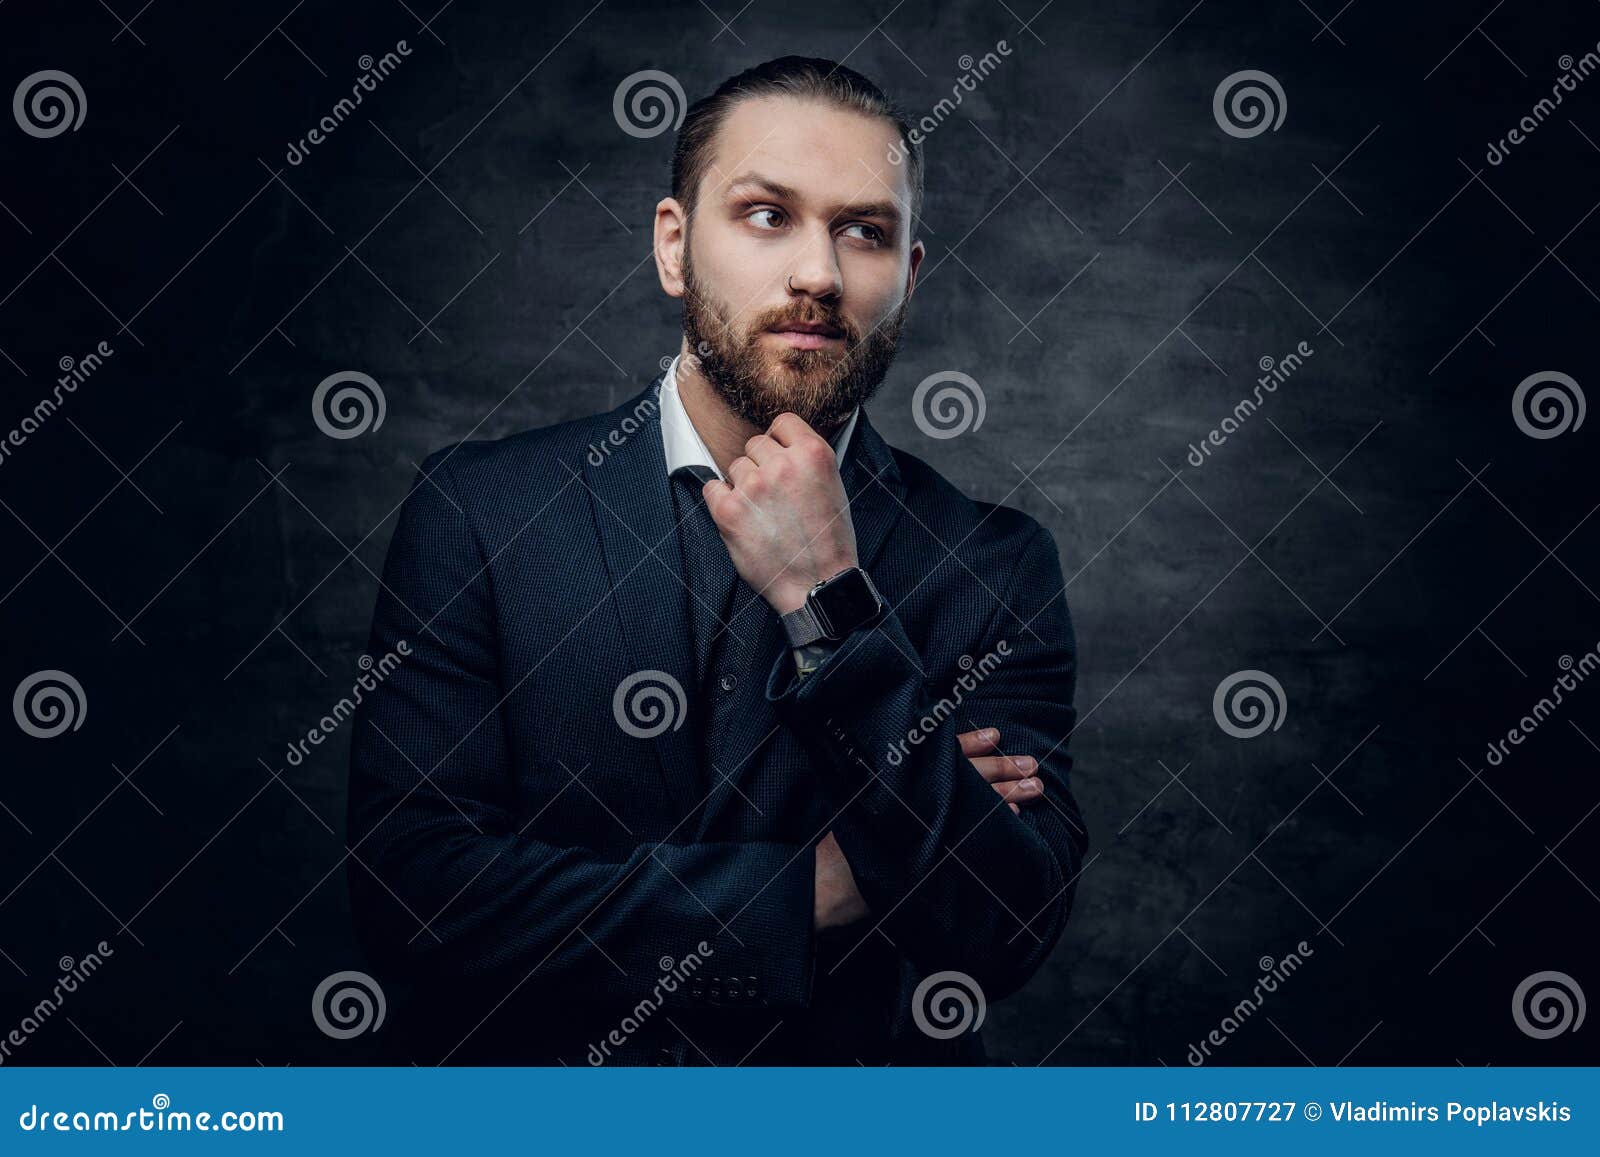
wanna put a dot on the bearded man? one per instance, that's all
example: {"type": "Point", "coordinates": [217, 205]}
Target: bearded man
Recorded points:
{"type": "Point", "coordinates": [727, 733]}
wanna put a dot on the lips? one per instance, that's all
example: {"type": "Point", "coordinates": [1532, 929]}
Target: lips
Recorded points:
{"type": "Point", "coordinates": [820, 329]}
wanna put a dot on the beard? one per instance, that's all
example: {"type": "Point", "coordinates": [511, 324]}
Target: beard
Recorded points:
{"type": "Point", "coordinates": [821, 386]}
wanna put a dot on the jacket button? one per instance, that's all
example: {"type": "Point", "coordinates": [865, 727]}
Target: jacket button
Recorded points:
{"type": "Point", "coordinates": [664, 1057]}
{"type": "Point", "coordinates": [728, 682]}
{"type": "Point", "coordinates": [750, 990]}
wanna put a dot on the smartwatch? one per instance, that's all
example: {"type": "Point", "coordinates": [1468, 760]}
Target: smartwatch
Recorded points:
{"type": "Point", "coordinates": [833, 608]}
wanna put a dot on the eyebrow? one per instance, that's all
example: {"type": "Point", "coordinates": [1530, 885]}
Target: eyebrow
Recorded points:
{"type": "Point", "coordinates": [885, 210]}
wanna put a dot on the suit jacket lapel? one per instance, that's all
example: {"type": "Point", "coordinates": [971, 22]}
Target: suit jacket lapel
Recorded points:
{"type": "Point", "coordinates": [875, 489]}
{"type": "Point", "coordinates": [633, 510]}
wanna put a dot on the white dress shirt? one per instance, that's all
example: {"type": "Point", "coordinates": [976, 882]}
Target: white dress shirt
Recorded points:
{"type": "Point", "coordinates": [685, 447]}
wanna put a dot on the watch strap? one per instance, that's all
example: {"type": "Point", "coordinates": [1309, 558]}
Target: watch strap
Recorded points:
{"type": "Point", "coordinates": [802, 626]}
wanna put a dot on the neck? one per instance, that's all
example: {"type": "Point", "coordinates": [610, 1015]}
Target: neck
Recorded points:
{"type": "Point", "coordinates": [723, 431]}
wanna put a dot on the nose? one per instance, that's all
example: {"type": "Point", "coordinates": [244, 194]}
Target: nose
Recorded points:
{"type": "Point", "coordinates": [816, 271]}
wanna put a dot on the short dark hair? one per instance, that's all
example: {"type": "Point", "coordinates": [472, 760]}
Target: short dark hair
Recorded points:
{"type": "Point", "coordinates": [800, 76]}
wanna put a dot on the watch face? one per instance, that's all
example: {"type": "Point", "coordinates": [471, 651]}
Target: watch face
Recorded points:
{"type": "Point", "coordinates": [845, 602]}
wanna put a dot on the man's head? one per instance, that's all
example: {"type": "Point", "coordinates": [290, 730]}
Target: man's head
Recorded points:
{"type": "Point", "coordinates": [789, 236]}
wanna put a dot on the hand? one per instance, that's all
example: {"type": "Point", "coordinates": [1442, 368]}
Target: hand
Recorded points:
{"type": "Point", "coordinates": [783, 513]}
{"type": "Point", "coordinates": [838, 900]}
{"type": "Point", "coordinates": [1013, 776]}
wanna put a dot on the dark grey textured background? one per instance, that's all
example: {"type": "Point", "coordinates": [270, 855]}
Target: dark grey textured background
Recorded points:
{"type": "Point", "coordinates": [1379, 537]}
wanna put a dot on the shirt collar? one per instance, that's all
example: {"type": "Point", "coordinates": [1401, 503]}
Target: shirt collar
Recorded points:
{"type": "Point", "coordinates": [685, 447]}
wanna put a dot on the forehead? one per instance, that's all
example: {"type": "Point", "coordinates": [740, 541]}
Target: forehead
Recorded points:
{"type": "Point", "coordinates": [827, 153]}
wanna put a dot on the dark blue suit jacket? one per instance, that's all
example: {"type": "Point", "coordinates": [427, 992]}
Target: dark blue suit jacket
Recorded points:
{"type": "Point", "coordinates": [552, 887]}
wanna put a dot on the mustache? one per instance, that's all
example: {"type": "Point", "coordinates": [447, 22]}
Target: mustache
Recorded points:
{"type": "Point", "coordinates": [803, 315]}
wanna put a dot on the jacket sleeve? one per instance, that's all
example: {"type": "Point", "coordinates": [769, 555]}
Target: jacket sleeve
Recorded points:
{"type": "Point", "coordinates": [957, 880]}
{"type": "Point", "coordinates": [442, 877]}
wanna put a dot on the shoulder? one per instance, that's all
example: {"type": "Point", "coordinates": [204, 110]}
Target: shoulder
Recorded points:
{"type": "Point", "coordinates": [1001, 537]}
{"type": "Point", "coordinates": [544, 459]}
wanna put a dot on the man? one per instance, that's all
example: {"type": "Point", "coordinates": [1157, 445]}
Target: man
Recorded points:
{"type": "Point", "coordinates": [727, 734]}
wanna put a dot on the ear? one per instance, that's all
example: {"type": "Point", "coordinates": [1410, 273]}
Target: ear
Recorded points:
{"type": "Point", "coordinates": [917, 254]}
{"type": "Point", "coordinates": [671, 235]}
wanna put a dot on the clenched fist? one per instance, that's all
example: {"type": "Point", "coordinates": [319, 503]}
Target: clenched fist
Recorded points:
{"type": "Point", "coordinates": [783, 514]}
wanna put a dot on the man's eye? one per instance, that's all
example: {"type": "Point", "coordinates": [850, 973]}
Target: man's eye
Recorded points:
{"type": "Point", "coordinates": [868, 232]}
{"type": "Point", "coordinates": [765, 218]}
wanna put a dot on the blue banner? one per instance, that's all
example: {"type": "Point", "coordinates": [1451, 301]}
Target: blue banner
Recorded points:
{"type": "Point", "coordinates": [743, 1111]}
